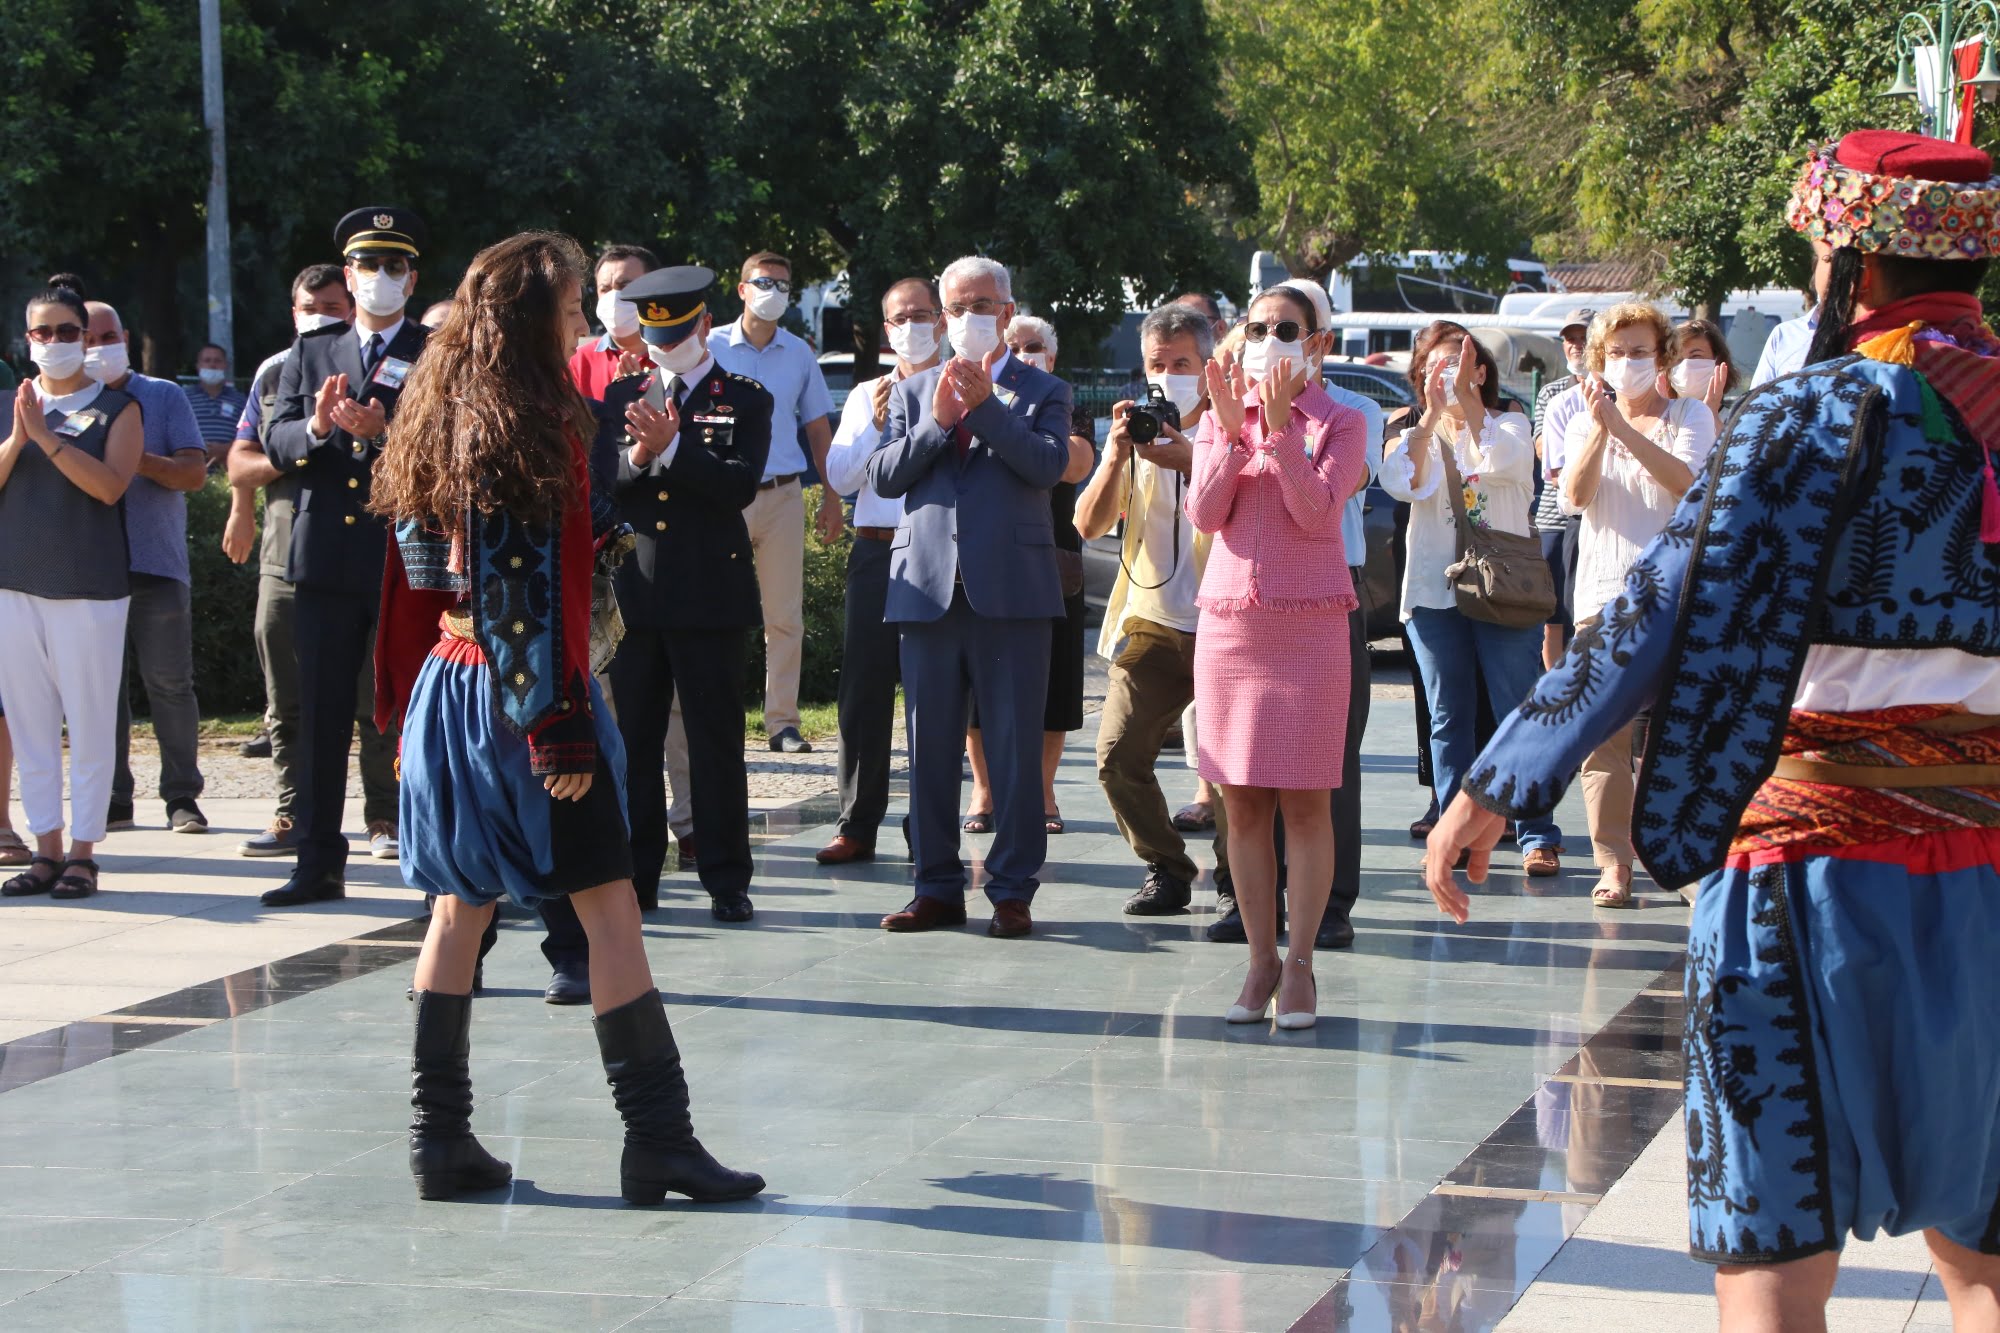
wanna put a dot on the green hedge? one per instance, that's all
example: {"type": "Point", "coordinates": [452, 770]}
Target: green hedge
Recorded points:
{"type": "Point", "coordinates": [228, 678]}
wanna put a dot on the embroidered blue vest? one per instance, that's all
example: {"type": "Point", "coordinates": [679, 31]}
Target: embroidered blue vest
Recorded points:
{"type": "Point", "coordinates": [1841, 507]}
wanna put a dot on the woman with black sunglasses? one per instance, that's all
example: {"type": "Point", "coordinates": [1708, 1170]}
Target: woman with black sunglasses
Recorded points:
{"type": "Point", "coordinates": [64, 590]}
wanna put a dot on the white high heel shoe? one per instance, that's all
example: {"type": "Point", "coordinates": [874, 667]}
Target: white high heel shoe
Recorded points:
{"type": "Point", "coordinates": [1238, 1014]}
{"type": "Point", "coordinates": [1297, 1022]}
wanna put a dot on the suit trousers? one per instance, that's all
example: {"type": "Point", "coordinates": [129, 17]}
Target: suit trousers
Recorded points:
{"type": "Point", "coordinates": [870, 663]}
{"type": "Point", "coordinates": [705, 667]}
{"type": "Point", "coordinates": [777, 522]}
{"type": "Point", "coordinates": [1151, 683]}
{"type": "Point", "coordinates": [160, 632]}
{"type": "Point", "coordinates": [277, 653]}
{"type": "Point", "coordinates": [333, 631]}
{"type": "Point", "coordinates": [1004, 664]}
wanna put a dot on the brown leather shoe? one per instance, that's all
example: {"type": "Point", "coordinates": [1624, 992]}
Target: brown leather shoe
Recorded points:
{"type": "Point", "coordinates": [1541, 862]}
{"type": "Point", "coordinates": [926, 914]}
{"type": "Point", "coordinates": [1010, 920]}
{"type": "Point", "coordinates": [843, 850]}
{"type": "Point", "coordinates": [684, 850]}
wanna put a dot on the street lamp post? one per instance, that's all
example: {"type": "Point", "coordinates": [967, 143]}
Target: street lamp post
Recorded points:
{"type": "Point", "coordinates": [221, 303]}
{"type": "Point", "coordinates": [1935, 37]}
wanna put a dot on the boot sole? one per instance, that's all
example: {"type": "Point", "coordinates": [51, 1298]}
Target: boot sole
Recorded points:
{"type": "Point", "coordinates": [450, 1184]}
{"type": "Point", "coordinates": [645, 1193]}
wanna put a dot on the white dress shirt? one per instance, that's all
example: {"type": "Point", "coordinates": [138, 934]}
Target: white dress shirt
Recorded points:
{"type": "Point", "coordinates": [1786, 347]}
{"type": "Point", "coordinates": [1499, 474]}
{"type": "Point", "coordinates": [854, 442]}
{"type": "Point", "coordinates": [1630, 507]}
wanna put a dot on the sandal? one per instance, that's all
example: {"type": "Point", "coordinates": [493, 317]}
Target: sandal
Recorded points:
{"type": "Point", "coordinates": [1614, 888]}
{"type": "Point", "coordinates": [13, 852]}
{"type": "Point", "coordinates": [978, 822]}
{"type": "Point", "coordinates": [75, 886]}
{"type": "Point", "coordinates": [28, 881]}
{"type": "Point", "coordinates": [1053, 823]}
{"type": "Point", "coordinates": [1195, 817]}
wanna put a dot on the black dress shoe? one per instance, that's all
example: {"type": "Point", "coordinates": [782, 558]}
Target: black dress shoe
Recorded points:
{"type": "Point", "coordinates": [118, 815]}
{"type": "Point", "coordinates": [789, 741]}
{"type": "Point", "coordinates": [1229, 930]}
{"type": "Point", "coordinates": [570, 983]}
{"type": "Point", "coordinates": [1161, 895]}
{"type": "Point", "coordinates": [257, 747]}
{"type": "Point", "coordinates": [308, 886]}
{"type": "Point", "coordinates": [1333, 934]}
{"type": "Point", "coordinates": [732, 907]}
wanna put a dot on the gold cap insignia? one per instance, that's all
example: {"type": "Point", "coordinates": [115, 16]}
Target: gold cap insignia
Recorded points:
{"type": "Point", "coordinates": [385, 220]}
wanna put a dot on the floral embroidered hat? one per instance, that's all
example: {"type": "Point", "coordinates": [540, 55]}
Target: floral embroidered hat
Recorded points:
{"type": "Point", "coordinates": [1887, 192]}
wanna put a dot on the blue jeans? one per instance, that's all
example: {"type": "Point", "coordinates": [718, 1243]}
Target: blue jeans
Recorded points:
{"type": "Point", "coordinates": [1447, 646]}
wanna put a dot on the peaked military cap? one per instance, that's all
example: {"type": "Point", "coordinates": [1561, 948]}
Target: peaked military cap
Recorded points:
{"type": "Point", "coordinates": [670, 302]}
{"type": "Point", "coordinates": [381, 229]}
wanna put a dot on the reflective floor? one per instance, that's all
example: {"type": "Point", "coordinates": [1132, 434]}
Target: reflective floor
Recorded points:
{"type": "Point", "coordinates": [958, 1131]}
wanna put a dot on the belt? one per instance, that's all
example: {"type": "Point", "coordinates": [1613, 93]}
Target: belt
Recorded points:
{"type": "Point", "coordinates": [875, 534]}
{"type": "Point", "coordinates": [782, 479]}
{"type": "Point", "coordinates": [1887, 776]}
{"type": "Point", "coordinates": [458, 625]}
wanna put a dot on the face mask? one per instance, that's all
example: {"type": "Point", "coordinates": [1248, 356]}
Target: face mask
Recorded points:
{"type": "Point", "coordinates": [1260, 358]}
{"type": "Point", "coordinates": [1039, 360]}
{"type": "Point", "coordinates": [620, 318]}
{"type": "Point", "coordinates": [1692, 377]}
{"type": "Point", "coordinates": [1576, 365]}
{"type": "Point", "coordinates": [59, 361]}
{"type": "Point", "coordinates": [210, 376]}
{"type": "Point", "coordinates": [107, 363]}
{"type": "Point", "coordinates": [1630, 375]}
{"type": "Point", "coordinates": [768, 306]}
{"type": "Point", "coordinates": [379, 294]}
{"type": "Point", "coordinates": [974, 336]}
{"type": "Point", "coordinates": [682, 357]}
{"type": "Point", "coordinates": [307, 323]}
{"type": "Point", "coordinates": [1183, 391]}
{"type": "Point", "coordinates": [915, 343]}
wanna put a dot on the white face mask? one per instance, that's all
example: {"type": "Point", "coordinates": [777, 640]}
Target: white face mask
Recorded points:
{"type": "Point", "coordinates": [58, 361]}
{"type": "Point", "coordinates": [974, 335]}
{"type": "Point", "coordinates": [769, 306]}
{"type": "Point", "coordinates": [1261, 358]}
{"type": "Point", "coordinates": [681, 358]}
{"type": "Point", "coordinates": [107, 363]}
{"type": "Point", "coordinates": [208, 375]}
{"type": "Point", "coordinates": [915, 343]}
{"type": "Point", "coordinates": [1630, 375]}
{"type": "Point", "coordinates": [1183, 391]}
{"type": "Point", "coordinates": [379, 294]}
{"type": "Point", "coordinates": [1039, 360]}
{"type": "Point", "coordinates": [310, 321]}
{"type": "Point", "coordinates": [1692, 377]}
{"type": "Point", "coordinates": [620, 318]}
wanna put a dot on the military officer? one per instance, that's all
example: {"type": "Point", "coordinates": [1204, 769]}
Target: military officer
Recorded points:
{"type": "Point", "coordinates": [336, 396]}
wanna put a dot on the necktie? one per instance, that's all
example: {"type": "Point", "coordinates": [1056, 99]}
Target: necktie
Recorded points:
{"type": "Point", "coordinates": [370, 355]}
{"type": "Point", "coordinates": [674, 388]}
{"type": "Point", "coordinates": [961, 437]}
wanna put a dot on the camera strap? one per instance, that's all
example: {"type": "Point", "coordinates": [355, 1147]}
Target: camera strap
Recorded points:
{"type": "Point", "coordinates": [1132, 490]}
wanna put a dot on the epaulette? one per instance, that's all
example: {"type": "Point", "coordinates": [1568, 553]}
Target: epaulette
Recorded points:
{"type": "Point", "coordinates": [744, 379]}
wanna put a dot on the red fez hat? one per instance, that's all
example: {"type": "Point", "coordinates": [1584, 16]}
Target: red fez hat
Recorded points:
{"type": "Point", "coordinates": [1917, 156]}
{"type": "Point", "coordinates": [1887, 192]}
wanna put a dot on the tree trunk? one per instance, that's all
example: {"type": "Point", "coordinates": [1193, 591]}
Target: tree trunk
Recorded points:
{"type": "Point", "coordinates": [1705, 308]}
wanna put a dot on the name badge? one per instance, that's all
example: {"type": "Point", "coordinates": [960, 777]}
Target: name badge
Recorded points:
{"type": "Point", "coordinates": [391, 372]}
{"type": "Point", "coordinates": [76, 423]}
{"type": "Point", "coordinates": [714, 421]}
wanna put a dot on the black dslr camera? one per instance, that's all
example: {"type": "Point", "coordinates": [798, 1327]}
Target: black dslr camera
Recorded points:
{"type": "Point", "coordinates": [1144, 419]}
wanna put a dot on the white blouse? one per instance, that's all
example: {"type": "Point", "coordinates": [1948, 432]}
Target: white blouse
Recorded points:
{"type": "Point", "coordinates": [1856, 680]}
{"type": "Point", "coordinates": [1630, 507]}
{"type": "Point", "coordinates": [1499, 474]}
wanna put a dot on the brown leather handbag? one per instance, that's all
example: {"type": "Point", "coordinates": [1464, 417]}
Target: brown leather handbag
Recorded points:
{"type": "Point", "coordinates": [1498, 577]}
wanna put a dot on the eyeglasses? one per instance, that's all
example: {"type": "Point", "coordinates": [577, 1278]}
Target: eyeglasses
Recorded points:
{"type": "Point", "coordinates": [912, 317]}
{"type": "Point", "coordinates": [960, 309]}
{"type": "Point", "coordinates": [61, 333]}
{"type": "Point", "coordinates": [1287, 330]}
{"type": "Point", "coordinates": [1036, 346]}
{"type": "Point", "coordinates": [772, 285]}
{"type": "Point", "coordinates": [394, 265]}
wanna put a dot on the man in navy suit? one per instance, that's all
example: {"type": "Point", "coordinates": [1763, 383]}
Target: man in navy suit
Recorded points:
{"type": "Point", "coordinates": [972, 448]}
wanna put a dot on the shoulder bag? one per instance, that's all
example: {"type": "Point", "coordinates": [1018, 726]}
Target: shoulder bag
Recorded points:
{"type": "Point", "coordinates": [1499, 577]}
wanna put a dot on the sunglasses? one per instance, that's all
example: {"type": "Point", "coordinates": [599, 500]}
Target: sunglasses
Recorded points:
{"type": "Point", "coordinates": [772, 285]}
{"type": "Point", "coordinates": [393, 265]}
{"type": "Point", "coordinates": [1035, 346]}
{"type": "Point", "coordinates": [61, 333]}
{"type": "Point", "coordinates": [1287, 330]}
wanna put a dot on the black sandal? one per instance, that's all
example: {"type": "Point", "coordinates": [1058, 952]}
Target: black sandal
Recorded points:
{"type": "Point", "coordinates": [27, 882]}
{"type": "Point", "coordinates": [979, 821]}
{"type": "Point", "coordinates": [75, 886]}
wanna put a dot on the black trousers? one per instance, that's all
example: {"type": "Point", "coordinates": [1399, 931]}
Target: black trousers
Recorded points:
{"type": "Point", "coordinates": [870, 666]}
{"type": "Point", "coordinates": [1347, 796]}
{"type": "Point", "coordinates": [333, 631]}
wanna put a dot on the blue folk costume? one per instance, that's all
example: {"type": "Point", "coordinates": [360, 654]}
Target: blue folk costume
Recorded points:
{"type": "Point", "coordinates": [1842, 984]}
{"type": "Point", "coordinates": [504, 697]}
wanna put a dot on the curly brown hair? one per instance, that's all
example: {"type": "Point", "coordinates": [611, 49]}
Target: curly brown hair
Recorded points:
{"type": "Point", "coordinates": [490, 417]}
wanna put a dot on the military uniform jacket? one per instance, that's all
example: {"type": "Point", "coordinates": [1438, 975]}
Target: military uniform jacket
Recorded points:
{"type": "Point", "coordinates": [692, 567]}
{"type": "Point", "coordinates": [336, 543]}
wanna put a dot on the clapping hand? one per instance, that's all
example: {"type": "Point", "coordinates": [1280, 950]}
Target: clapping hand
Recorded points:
{"type": "Point", "coordinates": [878, 399]}
{"type": "Point", "coordinates": [1227, 386]}
{"type": "Point", "coordinates": [652, 428]}
{"type": "Point", "coordinates": [632, 363]}
{"type": "Point", "coordinates": [1597, 400]}
{"type": "Point", "coordinates": [1466, 385]}
{"type": "Point", "coordinates": [364, 421]}
{"type": "Point", "coordinates": [29, 420]}
{"type": "Point", "coordinates": [1283, 383]}
{"type": "Point", "coordinates": [1718, 384]}
{"type": "Point", "coordinates": [972, 381]}
{"type": "Point", "coordinates": [332, 391]}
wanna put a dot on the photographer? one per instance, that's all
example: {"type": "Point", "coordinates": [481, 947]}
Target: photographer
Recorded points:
{"type": "Point", "coordinates": [1149, 622]}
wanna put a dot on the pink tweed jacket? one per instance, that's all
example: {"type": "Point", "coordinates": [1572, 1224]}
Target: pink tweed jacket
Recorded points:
{"type": "Point", "coordinates": [1276, 514]}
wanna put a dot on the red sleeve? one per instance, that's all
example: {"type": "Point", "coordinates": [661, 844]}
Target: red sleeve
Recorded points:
{"type": "Point", "coordinates": [404, 635]}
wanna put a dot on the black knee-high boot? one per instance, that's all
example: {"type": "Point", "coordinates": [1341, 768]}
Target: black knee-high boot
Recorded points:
{"type": "Point", "coordinates": [444, 1157]}
{"type": "Point", "coordinates": [643, 1067]}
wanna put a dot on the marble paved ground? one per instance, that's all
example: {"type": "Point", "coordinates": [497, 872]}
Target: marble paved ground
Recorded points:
{"type": "Point", "coordinates": [959, 1132]}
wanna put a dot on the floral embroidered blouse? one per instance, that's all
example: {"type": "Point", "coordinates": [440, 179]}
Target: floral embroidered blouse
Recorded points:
{"type": "Point", "coordinates": [1499, 474]}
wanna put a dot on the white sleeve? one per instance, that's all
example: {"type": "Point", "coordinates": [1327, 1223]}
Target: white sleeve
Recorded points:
{"type": "Point", "coordinates": [1574, 434]}
{"type": "Point", "coordinates": [853, 442]}
{"type": "Point", "coordinates": [1398, 468]}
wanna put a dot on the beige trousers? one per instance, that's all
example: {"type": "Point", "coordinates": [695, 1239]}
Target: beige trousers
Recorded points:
{"type": "Point", "coordinates": [1608, 790]}
{"type": "Point", "coordinates": [777, 520]}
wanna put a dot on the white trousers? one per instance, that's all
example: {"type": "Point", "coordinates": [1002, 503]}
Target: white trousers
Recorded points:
{"type": "Point", "coordinates": [61, 662]}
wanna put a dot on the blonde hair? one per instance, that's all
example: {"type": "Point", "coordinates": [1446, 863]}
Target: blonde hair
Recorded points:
{"type": "Point", "coordinates": [1622, 316]}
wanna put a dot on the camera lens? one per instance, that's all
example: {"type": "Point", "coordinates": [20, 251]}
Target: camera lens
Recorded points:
{"type": "Point", "coordinates": [1142, 426]}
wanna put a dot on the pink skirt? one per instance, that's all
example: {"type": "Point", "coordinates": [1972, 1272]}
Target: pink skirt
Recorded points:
{"type": "Point", "coordinates": [1271, 690]}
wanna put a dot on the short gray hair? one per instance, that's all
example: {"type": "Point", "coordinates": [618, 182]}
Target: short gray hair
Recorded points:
{"type": "Point", "coordinates": [1171, 321]}
{"type": "Point", "coordinates": [1036, 325]}
{"type": "Point", "coordinates": [978, 266]}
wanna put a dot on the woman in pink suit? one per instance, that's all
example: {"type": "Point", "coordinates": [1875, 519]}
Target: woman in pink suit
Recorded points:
{"type": "Point", "coordinates": [1275, 460]}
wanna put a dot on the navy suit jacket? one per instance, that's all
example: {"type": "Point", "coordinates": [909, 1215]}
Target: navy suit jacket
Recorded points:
{"type": "Point", "coordinates": [984, 521]}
